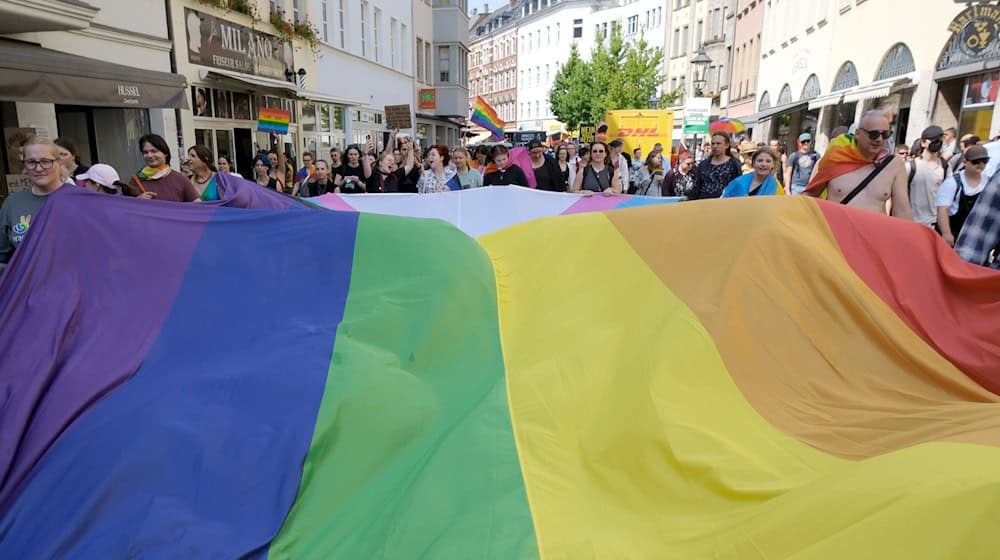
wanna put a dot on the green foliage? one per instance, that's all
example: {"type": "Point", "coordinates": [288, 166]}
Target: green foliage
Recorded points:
{"type": "Point", "coordinates": [572, 92]}
{"type": "Point", "coordinates": [620, 75]}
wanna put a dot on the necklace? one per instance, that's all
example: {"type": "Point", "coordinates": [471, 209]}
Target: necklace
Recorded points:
{"type": "Point", "coordinates": [201, 181]}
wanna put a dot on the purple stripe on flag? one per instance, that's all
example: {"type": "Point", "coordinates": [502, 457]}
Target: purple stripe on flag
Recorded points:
{"type": "Point", "coordinates": [333, 201]}
{"type": "Point", "coordinates": [596, 203]}
{"type": "Point", "coordinates": [54, 366]}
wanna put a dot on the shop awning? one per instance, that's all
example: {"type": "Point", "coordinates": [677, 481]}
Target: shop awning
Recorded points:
{"type": "Point", "coordinates": [32, 73]}
{"type": "Point", "coordinates": [252, 80]}
{"type": "Point", "coordinates": [270, 83]}
{"type": "Point", "coordinates": [826, 100]}
{"type": "Point", "coordinates": [781, 109]}
{"type": "Point", "coordinates": [881, 88]}
{"type": "Point", "coordinates": [320, 97]}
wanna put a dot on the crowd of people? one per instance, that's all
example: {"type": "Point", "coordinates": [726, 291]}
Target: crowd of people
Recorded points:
{"type": "Point", "coordinates": [935, 182]}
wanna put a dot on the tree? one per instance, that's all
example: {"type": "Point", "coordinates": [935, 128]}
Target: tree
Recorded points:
{"type": "Point", "coordinates": [572, 94]}
{"type": "Point", "coordinates": [605, 61]}
{"type": "Point", "coordinates": [639, 77]}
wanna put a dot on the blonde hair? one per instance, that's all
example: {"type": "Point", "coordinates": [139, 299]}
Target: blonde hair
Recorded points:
{"type": "Point", "coordinates": [36, 141]}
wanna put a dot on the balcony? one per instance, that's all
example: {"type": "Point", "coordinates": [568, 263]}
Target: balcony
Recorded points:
{"type": "Point", "coordinates": [451, 25]}
{"type": "Point", "coordinates": [25, 16]}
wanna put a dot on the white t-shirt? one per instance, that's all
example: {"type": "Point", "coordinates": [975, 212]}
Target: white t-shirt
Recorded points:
{"type": "Point", "coordinates": [946, 195]}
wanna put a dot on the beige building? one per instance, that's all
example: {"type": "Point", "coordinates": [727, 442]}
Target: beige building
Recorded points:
{"type": "Point", "coordinates": [696, 24]}
{"type": "Point", "coordinates": [821, 67]}
{"type": "Point", "coordinates": [746, 60]}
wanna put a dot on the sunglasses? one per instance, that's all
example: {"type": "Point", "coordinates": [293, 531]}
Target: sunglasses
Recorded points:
{"type": "Point", "coordinates": [876, 134]}
{"type": "Point", "coordinates": [982, 161]}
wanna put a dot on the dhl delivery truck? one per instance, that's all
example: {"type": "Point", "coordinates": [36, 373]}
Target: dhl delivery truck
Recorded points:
{"type": "Point", "coordinates": [641, 128]}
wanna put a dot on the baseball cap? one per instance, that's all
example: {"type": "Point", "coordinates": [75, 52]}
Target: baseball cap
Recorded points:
{"type": "Point", "coordinates": [931, 132]}
{"type": "Point", "coordinates": [976, 152]}
{"type": "Point", "coordinates": [102, 174]}
{"type": "Point", "coordinates": [805, 137]}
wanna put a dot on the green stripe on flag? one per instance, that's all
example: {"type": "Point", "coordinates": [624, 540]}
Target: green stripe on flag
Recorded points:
{"type": "Point", "coordinates": [413, 453]}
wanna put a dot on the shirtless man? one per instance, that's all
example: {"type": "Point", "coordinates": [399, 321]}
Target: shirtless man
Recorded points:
{"type": "Point", "coordinates": [871, 135]}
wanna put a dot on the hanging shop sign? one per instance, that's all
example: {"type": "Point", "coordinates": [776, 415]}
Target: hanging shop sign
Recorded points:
{"type": "Point", "coordinates": [975, 37]}
{"type": "Point", "coordinates": [222, 44]}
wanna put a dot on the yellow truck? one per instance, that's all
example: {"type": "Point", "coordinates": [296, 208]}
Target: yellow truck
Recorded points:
{"type": "Point", "coordinates": [641, 128]}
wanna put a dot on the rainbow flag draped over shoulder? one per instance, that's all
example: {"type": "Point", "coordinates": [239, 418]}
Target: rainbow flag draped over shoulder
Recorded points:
{"type": "Point", "coordinates": [777, 388]}
{"type": "Point", "coordinates": [841, 156]}
{"type": "Point", "coordinates": [486, 117]}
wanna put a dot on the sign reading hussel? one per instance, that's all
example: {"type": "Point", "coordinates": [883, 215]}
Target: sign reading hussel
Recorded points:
{"type": "Point", "coordinates": [229, 46]}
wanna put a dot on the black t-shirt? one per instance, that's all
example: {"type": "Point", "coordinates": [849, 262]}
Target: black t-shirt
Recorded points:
{"type": "Point", "coordinates": [352, 188]}
{"type": "Point", "coordinates": [513, 175]}
{"type": "Point", "coordinates": [313, 187]}
{"type": "Point", "coordinates": [548, 177]}
{"type": "Point", "coordinates": [397, 181]}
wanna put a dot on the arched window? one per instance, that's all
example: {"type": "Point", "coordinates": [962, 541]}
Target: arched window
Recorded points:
{"type": "Point", "coordinates": [811, 89]}
{"type": "Point", "coordinates": [897, 62]}
{"type": "Point", "coordinates": [765, 101]}
{"type": "Point", "coordinates": [785, 97]}
{"type": "Point", "coordinates": [847, 77]}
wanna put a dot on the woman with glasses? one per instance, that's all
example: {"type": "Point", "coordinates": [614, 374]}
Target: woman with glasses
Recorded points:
{"type": "Point", "coordinates": [959, 193]}
{"type": "Point", "coordinates": [599, 175]}
{"type": "Point", "coordinates": [44, 171]}
{"type": "Point", "coordinates": [157, 180]}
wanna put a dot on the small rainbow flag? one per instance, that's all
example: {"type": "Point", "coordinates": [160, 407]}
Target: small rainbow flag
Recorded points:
{"type": "Point", "coordinates": [273, 120]}
{"type": "Point", "coordinates": [486, 117]}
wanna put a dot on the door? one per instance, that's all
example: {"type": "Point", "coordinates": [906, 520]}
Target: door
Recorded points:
{"type": "Point", "coordinates": [244, 153]}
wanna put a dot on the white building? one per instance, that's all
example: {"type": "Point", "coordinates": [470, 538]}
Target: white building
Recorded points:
{"type": "Point", "coordinates": [107, 79]}
{"type": "Point", "coordinates": [365, 62]}
{"type": "Point", "coordinates": [546, 30]}
{"type": "Point", "coordinates": [816, 75]}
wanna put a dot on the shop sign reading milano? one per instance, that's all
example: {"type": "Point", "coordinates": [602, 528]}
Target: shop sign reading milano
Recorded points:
{"type": "Point", "coordinates": [222, 44]}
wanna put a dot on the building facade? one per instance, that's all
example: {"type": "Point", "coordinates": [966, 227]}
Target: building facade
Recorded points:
{"type": "Point", "coordinates": [816, 74]}
{"type": "Point", "coordinates": [546, 31]}
{"type": "Point", "coordinates": [695, 25]}
{"type": "Point", "coordinates": [442, 86]}
{"type": "Point", "coordinates": [745, 65]}
{"type": "Point", "coordinates": [235, 68]}
{"type": "Point", "coordinates": [107, 79]}
{"type": "Point", "coordinates": [493, 66]}
{"type": "Point", "coordinates": [365, 62]}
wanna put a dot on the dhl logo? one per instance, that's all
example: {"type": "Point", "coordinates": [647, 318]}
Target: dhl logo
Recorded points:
{"type": "Point", "coordinates": [637, 132]}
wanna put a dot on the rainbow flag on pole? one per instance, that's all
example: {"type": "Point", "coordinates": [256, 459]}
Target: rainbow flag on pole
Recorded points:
{"type": "Point", "coordinates": [778, 388]}
{"type": "Point", "coordinates": [273, 120]}
{"type": "Point", "coordinates": [486, 117]}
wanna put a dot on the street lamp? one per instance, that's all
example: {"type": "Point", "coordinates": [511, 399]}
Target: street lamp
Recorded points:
{"type": "Point", "coordinates": [654, 101]}
{"type": "Point", "coordinates": [700, 62]}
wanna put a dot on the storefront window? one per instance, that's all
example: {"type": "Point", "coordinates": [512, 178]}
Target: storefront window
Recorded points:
{"type": "Point", "coordinates": [338, 118]}
{"type": "Point", "coordinates": [222, 102]}
{"type": "Point", "coordinates": [242, 109]}
{"type": "Point", "coordinates": [324, 118]}
{"type": "Point", "coordinates": [117, 133]}
{"type": "Point", "coordinates": [308, 117]}
{"type": "Point", "coordinates": [978, 101]}
{"type": "Point", "coordinates": [223, 143]}
{"type": "Point", "coordinates": [201, 136]}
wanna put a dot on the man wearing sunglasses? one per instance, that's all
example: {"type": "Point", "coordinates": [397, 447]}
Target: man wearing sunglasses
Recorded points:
{"type": "Point", "coordinates": [851, 160]}
{"type": "Point", "coordinates": [958, 194]}
{"type": "Point", "coordinates": [928, 172]}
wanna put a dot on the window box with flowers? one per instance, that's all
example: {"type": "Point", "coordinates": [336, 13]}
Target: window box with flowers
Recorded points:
{"type": "Point", "coordinates": [245, 7]}
{"type": "Point", "coordinates": [297, 29]}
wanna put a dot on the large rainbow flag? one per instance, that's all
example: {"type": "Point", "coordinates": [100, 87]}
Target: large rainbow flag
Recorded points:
{"type": "Point", "coordinates": [809, 381]}
{"type": "Point", "coordinates": [485, 116]}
